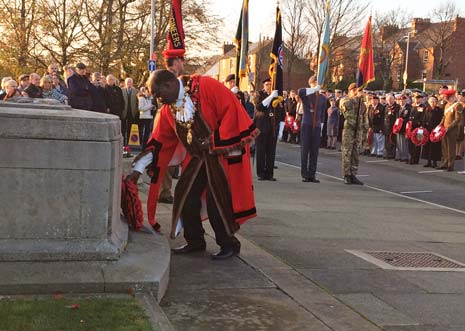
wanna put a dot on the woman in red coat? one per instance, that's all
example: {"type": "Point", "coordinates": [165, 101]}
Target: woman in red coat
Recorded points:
{"type": "Point", "coordinates": [205, 125]}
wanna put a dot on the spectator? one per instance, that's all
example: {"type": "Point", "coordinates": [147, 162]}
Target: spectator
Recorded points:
{"type": "Point", "coordinates": [68, 72]}
{"type": "Point", "coordinates": [57, 85]}
{"type": "Point", "coordinates": [114, 95]}
{"type": "Point", "coordinates": [52, 70]}
{"type": "Point", "coordinates": [3, 87]}
{"type": "Point", "coordinates": [249, 106]}
{"type": "Point", "coordinates": [131, 108]}
{"type": "Point", "coordinates": [146, 111]}
{"type": "Point", "coordinates": [332, 126]}
{"type": "Point", "coordinates": [79, 85]}
{"type": "Point", "coordinates": [23, 82]}
{"type": "Point", "coordinates": [11, 89]}
{"type": "Point", "coordinates": [33, 90]}
{"type": "Point", "coordinates": [48, 92]}
{"type": "Point", "coordinates": [98, 94]}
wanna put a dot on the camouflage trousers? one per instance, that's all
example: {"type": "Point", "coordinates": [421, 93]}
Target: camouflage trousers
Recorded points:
{"type": "Point", "coordinates": [350, 151]}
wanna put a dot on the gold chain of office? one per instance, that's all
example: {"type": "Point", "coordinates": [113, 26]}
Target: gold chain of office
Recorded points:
{"type": "Point", "coordinates": [185, 124]}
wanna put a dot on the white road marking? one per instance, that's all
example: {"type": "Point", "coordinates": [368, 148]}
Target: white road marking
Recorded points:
{"type": "Point", "coordinates": [461, 172]}
{"type": "Point", "coordinates": [376, 161]}
{"type": "Point", "coordinates": [386, 191]}
{"type": "Point", "coordinates": [363, 175]}
{"type": "Point", "coordinates": [429, 171]}
{"type": "Point", "coordinates": [413, 192]}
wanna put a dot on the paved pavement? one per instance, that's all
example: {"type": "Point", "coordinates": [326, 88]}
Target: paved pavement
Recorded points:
{"type": "Point", "coordinates": [295, 273]}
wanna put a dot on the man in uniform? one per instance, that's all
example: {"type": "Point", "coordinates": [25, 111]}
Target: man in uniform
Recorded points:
{"type": "Point", "coordinates": [314, 106]}
{"type": "Point", "coordinates": [376, 123]}
{"type": "Point", "coordinates": [265, 120]}
{"type": "Point", "coordinates": [390, 114]}
{"type": "Point", "coordinates": [230, 81]}
{"type": "Point", "coordinates": [417, 115]}
{"type": "Point", "coordinates": [451, 122]}
{"type": "Point", "coordinates": [355, 120]}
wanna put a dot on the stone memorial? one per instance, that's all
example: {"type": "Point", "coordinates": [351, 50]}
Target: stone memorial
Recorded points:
{"type": "Point", "coordinates": [60, 184]}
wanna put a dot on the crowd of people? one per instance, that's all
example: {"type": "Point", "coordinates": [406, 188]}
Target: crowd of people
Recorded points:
{"type": "Point", "coordinates": [80, 89]}
{"type": "Point", "coordinates": [394, 126]}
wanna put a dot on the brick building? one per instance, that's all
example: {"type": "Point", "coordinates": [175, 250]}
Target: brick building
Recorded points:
{"type": "Point", "coordinates": [436, 51]}
{"type": "Point", "coordinates": [258, 61]}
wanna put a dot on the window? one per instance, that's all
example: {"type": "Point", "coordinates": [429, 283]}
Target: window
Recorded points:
{"type": "Point", "coordinates": [425, 56]}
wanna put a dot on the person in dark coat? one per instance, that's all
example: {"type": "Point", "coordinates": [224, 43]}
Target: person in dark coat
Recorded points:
{"type": "Point", "coordinates": [34, 90]}
{"type": "Point", "coordinates": [114, 95]}
{"type": "Point", "coordinates": [265, 120]}
{"type": "Point", "coordinates": [98, 92]}
{"type": "Point", "coordinates": [390, 113]}
{"type": "Point", "coordinates": [80, 95]}
{"type": "Point", "coordinates": [376, 122]}
{"type": "Point", "coordinates": [402, 144]}
{"type": "Point", "coordinates": [432, 118]}
{"type": "Point", "coordinates": [332, 127]}
{"type": "Point", "coordinates": [417, 118]}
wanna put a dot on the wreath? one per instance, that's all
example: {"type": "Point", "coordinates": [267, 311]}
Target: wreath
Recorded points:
{"type": "Point", "coordinates": [419, 136]}
{"type": "Point", "coordinates": [437, 134]}
{"type": "Point", "coordinates": [408, 129]}
{"type": "Point", "coordinates": [289, 121]}
{"type": "Point", "coordinates": [295, 127]}
{"type": "Point", "coordinates": [397, 125]}
{"type": "Point", "coordinates": [131, 204]}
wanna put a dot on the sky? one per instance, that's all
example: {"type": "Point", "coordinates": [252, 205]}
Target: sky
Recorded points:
{"type": "Point", "coordinates": [262, 13]}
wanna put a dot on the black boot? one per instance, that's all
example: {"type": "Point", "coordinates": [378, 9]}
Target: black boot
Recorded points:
{"type": "Point", "coordinates": [347, 180]}
{"type": "Point", "coordinates": [356, 181]}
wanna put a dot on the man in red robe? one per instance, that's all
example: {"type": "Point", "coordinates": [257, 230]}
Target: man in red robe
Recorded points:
{"type": "Point", "coordinates": [205, 125]}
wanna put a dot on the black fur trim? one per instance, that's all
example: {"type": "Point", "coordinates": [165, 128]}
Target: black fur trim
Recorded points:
{"type": "Point", "coordinates": [234, 140]}
{"type": "Point", "coordinates": [245, 213]}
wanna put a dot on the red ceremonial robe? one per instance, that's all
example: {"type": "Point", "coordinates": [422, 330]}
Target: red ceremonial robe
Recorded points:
{"type": "Point", "coordinates": [231, 130]}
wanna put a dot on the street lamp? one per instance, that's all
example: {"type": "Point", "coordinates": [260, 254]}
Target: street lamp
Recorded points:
{"type": "Point", "coordinates": [406, 57]}
{"type": "Point", "coordinates": [152, 29]}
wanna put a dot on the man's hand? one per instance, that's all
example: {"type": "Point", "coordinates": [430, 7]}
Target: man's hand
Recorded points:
{"type": "Point", "coordinates": [134, 176]}
{"type": "Point", "coordinates": [274, 94]}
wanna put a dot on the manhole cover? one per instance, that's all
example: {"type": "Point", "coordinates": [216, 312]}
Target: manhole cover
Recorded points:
{"type": "Point", "coordinates": [409, 260]}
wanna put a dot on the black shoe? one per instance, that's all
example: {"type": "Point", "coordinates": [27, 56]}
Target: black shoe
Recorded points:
{"type": "Point", "coordinates": [347, 180]}
{"type": "Point", "coordinates": [189, 248]}
{"type": "Point", "coordinates": [450, 169]}
{"type": "Point", "coordinates": [313, 180]}
{"type": "Point", "coordinates": [305, 179]}
{"type": "Point", "coordinates": [168, 200]}
{"type": "Point", "coordinates": [261, 178]}
{"type": "Point", "coordinates": [156, 227]}
{"type": "Point", "coordinates": [441, 168]}
{"type": "Point", "coordinates": [428, 165]}
{"type": "Point", "coordinates": [275, 167]}
{"type": "Point", "coordinates": [356, 181]}
{"type": "Point", "coordinates": [224, 253]}
{"type": "Point", "coordinates": [272, 179]}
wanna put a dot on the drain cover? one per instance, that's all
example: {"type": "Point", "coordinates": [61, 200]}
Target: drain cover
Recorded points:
{"type": "Point", "coordinates": [409, 260]}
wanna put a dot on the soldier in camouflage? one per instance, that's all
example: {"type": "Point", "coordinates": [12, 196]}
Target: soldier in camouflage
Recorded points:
{"type": "Point", "coordinates": [355, 116]}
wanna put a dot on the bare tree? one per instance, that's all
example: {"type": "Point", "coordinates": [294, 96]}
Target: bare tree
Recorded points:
{"type": "Point", "coordinates": [389, 27]}
{"type": "Point", "coordinates": [346, 17]}
{"type": "Point", "coordinates": [297, 29]}
{"type": "Point", "coordinates": [439, 35]}
{"type": "Point", "coordinates": [18, 19]}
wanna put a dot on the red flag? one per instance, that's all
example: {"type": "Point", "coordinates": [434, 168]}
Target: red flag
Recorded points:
{"type": "Point", "coordinates": [366, 65]}
{"type": "Point", "coordinates": [175, 47]}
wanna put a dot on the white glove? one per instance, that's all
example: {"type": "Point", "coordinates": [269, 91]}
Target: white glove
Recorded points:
{"type": "Point", "coordinates": [235, 89]}
{"type": "Point", "coordinates": [270, 98]}
{"type": "Point", "coordinates": [311, 90]}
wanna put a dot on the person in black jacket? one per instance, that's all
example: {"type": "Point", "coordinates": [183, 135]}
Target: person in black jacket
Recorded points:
{"type": "Point", "coordinates": [402, 144]}
{"type": "Point", "coordinates": [432, 117]}
{"type": "Point", "coordinates": [376, 122]}
{"type": "Point", "coordinates": [265, 120]}
{"type": "Point", "coordinates": [98, 92]}
{"type": "Point", "coordinates": [80, 95]}
{"type": "Point", "coordinates": [34, 90]}
{"type": "Point", "coordinates": [390, 113]}
{"type": "Point", "coordinates": [417, 117]}
{"type": "Point", "coordinates": [114, 97]}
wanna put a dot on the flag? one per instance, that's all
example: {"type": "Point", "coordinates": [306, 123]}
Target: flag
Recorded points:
{"type": "Point", "coordinates": [277, 55]}
{"type": "Point", "coordinates": [366, 66]}
{"type": "Point", "coordinates": [242, 42]}
{"type": "Point", "coordinates": [175, 37]}
{"type": "Point", "coordinates": [323, 59]}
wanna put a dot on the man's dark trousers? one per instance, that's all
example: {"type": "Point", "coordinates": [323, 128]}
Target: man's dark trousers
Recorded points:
{"type": "Point", "coordinates": [309, 147]}
{"type": "Point", "coordinates": [190, 214]}
{"type": "Point", "coordinates": [265, 149]}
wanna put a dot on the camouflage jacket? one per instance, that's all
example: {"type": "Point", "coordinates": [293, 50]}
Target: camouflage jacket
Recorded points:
{"type": "Point", "coordinates": [349, 107]}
